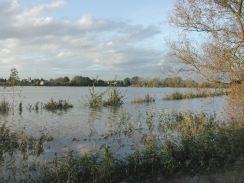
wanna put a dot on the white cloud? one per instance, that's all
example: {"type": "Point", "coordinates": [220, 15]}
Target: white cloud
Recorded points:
{"type": "Point", "coordinates": [64, 54]}
{"type": "Point", "coordinates": [35, 43]}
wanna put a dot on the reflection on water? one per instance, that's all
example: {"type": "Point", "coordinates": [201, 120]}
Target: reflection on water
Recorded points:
{"type": "Point", "coordinates": [86, 125]}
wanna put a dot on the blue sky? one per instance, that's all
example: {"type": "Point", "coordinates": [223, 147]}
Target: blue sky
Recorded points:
{"type": "Point", "coordinates": [56, 38]}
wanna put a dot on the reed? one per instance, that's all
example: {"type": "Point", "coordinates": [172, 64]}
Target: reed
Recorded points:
{"type": "Point", "coordinates": [188, 95]}
{"type": "Point", "coordinates": [18, 155]}
{"type": "Point", "coordinates": [146, 99]}
{"type": "Point", "coordinates": [56, 105]}
{"type": "Point", "coordinates": [181, 143]}
{"type": "Point", "coordinates": [185, 144]}
{"type": "Point", "coordinates": [115, 98]}
{"type": "Point", "coordinates": [96, 99]}
{"type": "Point", "coordinates": [5, 106]}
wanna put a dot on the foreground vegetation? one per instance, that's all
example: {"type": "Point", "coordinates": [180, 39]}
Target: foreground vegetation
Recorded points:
{"type": "Point", "coordinates": [176, 95]}
{"type": "Point", "coordinates": [176, 143]}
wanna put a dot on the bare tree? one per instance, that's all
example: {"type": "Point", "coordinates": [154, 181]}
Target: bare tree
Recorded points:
{"type": "Point", "coordinates": [210, 42]}
{"type": "Point", "coordinates": [212, 39]}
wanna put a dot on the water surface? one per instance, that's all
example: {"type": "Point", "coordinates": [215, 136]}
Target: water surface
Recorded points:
{"type": "Point", "coordinates": [81, 120]}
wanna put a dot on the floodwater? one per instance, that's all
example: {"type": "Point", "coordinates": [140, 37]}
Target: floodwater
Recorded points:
{"type": "Point", "coordinates": [84, 123]}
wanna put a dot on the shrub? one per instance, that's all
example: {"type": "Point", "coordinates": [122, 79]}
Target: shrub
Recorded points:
{"type": "Point", "coordinates": [147, 99]}
{"type": "Point", "coordinates": [59, 105]}
{"type": "Point", "coordinates": [176, 95]}
{"type": "Point", "coordinates": [96, 99]}
{"type": "Point", "coordinates": [114, 97]}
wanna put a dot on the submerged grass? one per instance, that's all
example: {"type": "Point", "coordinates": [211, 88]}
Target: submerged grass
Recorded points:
{"type": "Point", "coordinates": [5, 106]}
{"type": "Point", "coordinates": [146, 99]}
{"type": "Point", "coordinates": [115, 98]}
{"type": "Point", "coordinates": [18, 155]}
{"type": "Point", "coordinates": [56, 105]}
{"type": "Point", "coordinates": [96, 99]}
{"type": "Point", "coordinates": [181, 143]}
{"type": "Point", "coordinates": [188, 95]}
{"type": "Point", "coordinates": [188, 144]}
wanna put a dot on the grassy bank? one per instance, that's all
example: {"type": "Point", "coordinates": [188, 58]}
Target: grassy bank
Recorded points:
{"type": "Point", "coordinates": [177, 143]}
{"type": "Point", "coordinates": [188, 95]}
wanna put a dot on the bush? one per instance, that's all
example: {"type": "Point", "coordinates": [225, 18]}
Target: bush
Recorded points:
{"type": "Point", "coordinates": [114, 97]}
{"type": "Point", "coordinates": [59, 105]}
{"type": "Point", "coordinates": [147, 99]}
{"type": "Point", "coordinates": [96, 99]}
{"type": "Point", "coordinates": [176, 95]}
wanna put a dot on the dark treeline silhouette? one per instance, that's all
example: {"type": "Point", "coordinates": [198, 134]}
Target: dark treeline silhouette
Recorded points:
{"type": "Point", "coordinates": [135, 81]}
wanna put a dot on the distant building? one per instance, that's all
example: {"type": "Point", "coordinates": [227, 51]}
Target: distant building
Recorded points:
{"type": "Point", "coordinates": [42, 83]}
{"type": "Point", "coordinates": [29, 79]}
{"type": "Point", "coordinates": [48, 83]}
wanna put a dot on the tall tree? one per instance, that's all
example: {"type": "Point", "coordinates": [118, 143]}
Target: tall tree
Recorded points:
{"type": "Point", "coordinates": [211, 41]}
{"type": "Point", "coordinates": [14, 77]}
{"type": "Point", "coordinates": [218, 53]}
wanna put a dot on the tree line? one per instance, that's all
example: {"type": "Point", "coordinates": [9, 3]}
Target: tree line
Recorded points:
{"type": "Point", "coordinates": [135, 81]}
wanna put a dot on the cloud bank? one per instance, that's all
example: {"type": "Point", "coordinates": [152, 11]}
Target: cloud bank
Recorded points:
{"type": "Point", "coordinates": [48, 47]}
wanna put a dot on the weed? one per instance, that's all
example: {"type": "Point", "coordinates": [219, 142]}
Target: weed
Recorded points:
{"type": "Point", "coordinates": [56, 105]}
{"type": "Point", "coordinates": [94, 99]}
{"type": "Point", "coordinates": [188, 95]}
{"type": "Point", "coordinates": [4, 106]}
{"type": "Point", "coordinates": [114, 97]}
{"type": "Point", "coordinates": [174, 142]}
{"type": "Point", "coordinates": [146, 99]}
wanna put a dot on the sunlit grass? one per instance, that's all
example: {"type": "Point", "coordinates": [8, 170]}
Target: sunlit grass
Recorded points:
{"type": "Point", "coordinates": [146, 99]}
{"type": "Point", "coordinates": [56, 105]}
{"type": "Point", "coordinates": [176, 95]}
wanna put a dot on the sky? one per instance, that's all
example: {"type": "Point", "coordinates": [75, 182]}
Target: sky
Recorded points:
{"type": "Point", "coordinates": [104, 38]}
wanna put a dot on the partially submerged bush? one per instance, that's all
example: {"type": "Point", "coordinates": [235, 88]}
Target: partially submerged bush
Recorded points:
{"type": "Point", "coordinates": [114, 97]}
{"type": "Point", "coordinates": [147, 99]}
{"type": "Point", "coordinates": [96, 99]}
{"type": "Point", "coordinates": [57, 105]}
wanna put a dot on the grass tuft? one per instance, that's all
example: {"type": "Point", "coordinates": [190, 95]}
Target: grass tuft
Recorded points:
{"type": "Point", "coordinates": [176, 95]}
{"type": "Point", "coordinates": [57, 105]}
{"type": "Point", "coordinates": [4, 106]}
{"type": "Point", "coordinates": [146, 99]}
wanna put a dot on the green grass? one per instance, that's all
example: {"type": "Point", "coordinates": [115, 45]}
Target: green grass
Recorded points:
{"type": "Point", "coordinates": [176, 95]}
{"type": "Point", "coordinates": [146, 99]}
